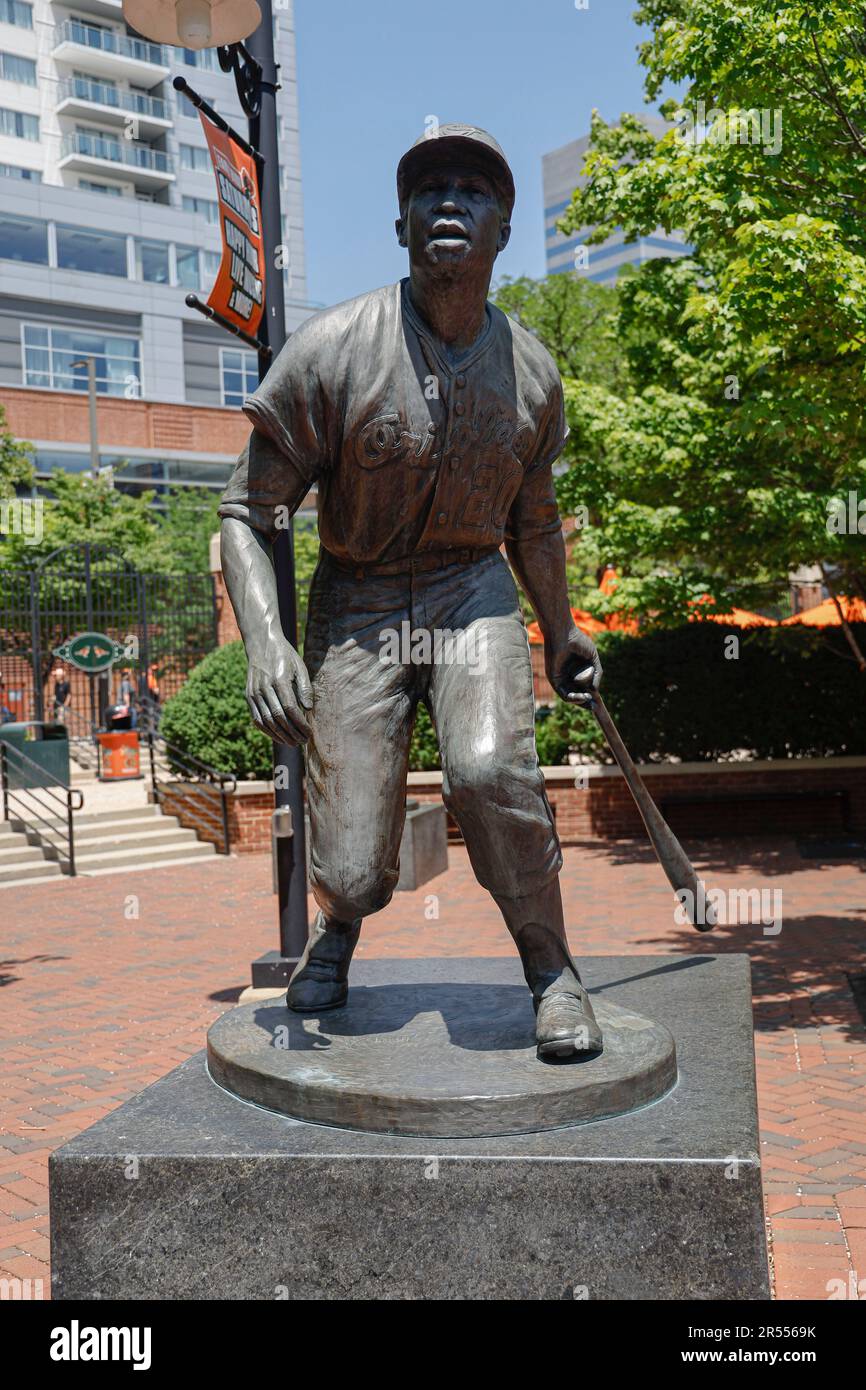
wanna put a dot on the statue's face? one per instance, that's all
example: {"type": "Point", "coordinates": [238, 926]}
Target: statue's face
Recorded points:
{"type": "Point", "coordinates": [453, 220]}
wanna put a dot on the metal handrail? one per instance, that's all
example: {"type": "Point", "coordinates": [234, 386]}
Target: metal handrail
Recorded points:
{"type": "Point", "coordinates": [101, 94]}
{"type": "Point", "coordinates": [107, 41]}
{"type": "Point", "coordinates": [10, 754]}
{"type": "Point", "coordinates": [196, 775]}
{"type": "Point", "coordinates": [124, 152]}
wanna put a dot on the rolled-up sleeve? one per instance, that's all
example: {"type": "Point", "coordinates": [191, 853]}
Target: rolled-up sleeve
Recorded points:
{"type": "Point", "coordinates": [288, 449]}
{"type": "Point", "coordinates": [263, 482]}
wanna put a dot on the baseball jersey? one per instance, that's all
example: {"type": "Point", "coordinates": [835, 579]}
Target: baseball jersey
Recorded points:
{"type": "Point", "coordinates": [410, 452]}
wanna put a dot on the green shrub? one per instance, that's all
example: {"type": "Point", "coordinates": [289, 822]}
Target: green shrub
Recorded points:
{"type": "Point", "coordinates": [790, 692]}
{"type": "Point", "coordinates": [424, 747]}
{"type": "Point", "coordinates": [209, 717]}
{"type": "Point", "coordinates": [564, 729]}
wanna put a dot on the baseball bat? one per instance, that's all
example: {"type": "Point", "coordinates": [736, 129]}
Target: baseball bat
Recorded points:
{"type": "Point", "coordinates": [678, 867]}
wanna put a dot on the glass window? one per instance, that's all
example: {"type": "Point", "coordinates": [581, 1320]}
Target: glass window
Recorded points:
{"type": "Point", "coordinates": [112, 189]}
{"type": "Point", "coordinates": [16, 12]}
{"type": "Point", "coordinates": [151, 261]}
{"type": "Point", "coordinates": [239, 373]}
{"type": "Point", "coordinates": [205, 58]}
{"type": "Point", "coordinates": [191, 471]}
{"type": "Point", "coordinates": [187, 267]}
{"type": "Point", "coordinates": [46, 460]}
{"type": "Point", "coordinates": [16, 69]}
{"type": "Point", "coordinates": [195, 158]}
{"type": "Point", "coordinates": [205, 207]}
{"type": "Point", "coordinates": [24, 239]}
{"type": "Point", "coordinates": [18, 124]}
{"type": "Point", "coordinates": [102, 253]}
{"type": "Point", "coordinates": [210, 266]}
{"type": "Point", "coordinates": [12, 171]}
{"type": "Point", "coordinates": [186, 107]}
{"type": "Point", "coordinates": [49, 353]}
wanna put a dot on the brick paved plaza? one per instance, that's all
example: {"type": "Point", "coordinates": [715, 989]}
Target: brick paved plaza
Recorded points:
{"type": "Point", "coordinates": [108, 983]}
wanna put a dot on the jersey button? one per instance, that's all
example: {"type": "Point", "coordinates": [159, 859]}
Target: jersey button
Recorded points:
{"type": "Point", "coordinates": [443, 517]}
{"type": "Point", "coordinates": [460, 380]}
{"type": "Point", "coordinates": [459, 408]}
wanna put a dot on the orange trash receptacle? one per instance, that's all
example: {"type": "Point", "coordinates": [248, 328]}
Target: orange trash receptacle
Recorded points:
{"type": "Point", "coordinates": [119, 756]}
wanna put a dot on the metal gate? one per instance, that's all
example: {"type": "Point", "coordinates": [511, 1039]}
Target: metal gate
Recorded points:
{"type": "Point", "coordinates": [164, 623]}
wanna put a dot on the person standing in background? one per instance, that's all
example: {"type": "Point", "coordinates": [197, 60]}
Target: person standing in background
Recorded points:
{"type": "Point", "coordinates": [127, 697]}
{"type": "Point", "coordinates": [62, 694]}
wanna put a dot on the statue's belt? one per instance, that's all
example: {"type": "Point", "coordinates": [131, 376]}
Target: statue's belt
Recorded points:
{"type": "Point", "coordinates": [415, 564]}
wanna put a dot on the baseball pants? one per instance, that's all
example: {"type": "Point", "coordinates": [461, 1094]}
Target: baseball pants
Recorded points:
{"type": "Point", "coordinates": [374, 647]}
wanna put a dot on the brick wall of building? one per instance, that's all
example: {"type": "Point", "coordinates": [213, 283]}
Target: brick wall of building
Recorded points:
{"type": "Point", "coordinates": [62, 416]}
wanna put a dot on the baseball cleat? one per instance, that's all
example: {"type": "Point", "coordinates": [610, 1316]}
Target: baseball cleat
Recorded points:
{"type": "Point", "coordinates": [565, 1024]}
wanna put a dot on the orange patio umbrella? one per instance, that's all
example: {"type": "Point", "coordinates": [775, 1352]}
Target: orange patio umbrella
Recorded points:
{"type": "Point", "coordinates": [585, 621]}
{"type": "Point", "coordinates": [615, 622]}
{"type": "Point", "coordinates": [735, 617]}
{"type": "Point", "coordinates": [826, 614]}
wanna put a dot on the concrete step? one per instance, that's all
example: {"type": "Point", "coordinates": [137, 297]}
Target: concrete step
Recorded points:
{"type": "Point", "coordinates": [153, 855]}
{"type": "Point", "coordinates": [156, 864]}
{"type": "Point", "coordinates": [124, 826]}
{"type": "Point", "coordinates": [129, 814]}
{"type": "Point", "coordinates": [19, 851]}
{"type": "Point", "coordinates": [156, 839]}
{"type": "Point", "coordinates": [14, 874]}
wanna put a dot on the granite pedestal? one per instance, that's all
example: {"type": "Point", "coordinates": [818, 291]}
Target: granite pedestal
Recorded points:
{"type": "Point", "coordinates": [188, 1192]}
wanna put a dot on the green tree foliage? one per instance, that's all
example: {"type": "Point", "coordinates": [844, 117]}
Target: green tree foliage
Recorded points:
{"type": "Point", "coordinates": [16, 468]}
{"type": "Point", "coordinates": [573, 317]}
{"type": "Point", "coordinates": [209, 717]}
{"type": "Point", "coordinates": [79, 509]}
{"type": "Point", "coordinates": [715, 470]}
{"type": "Point", "coordinates": [424, 747]}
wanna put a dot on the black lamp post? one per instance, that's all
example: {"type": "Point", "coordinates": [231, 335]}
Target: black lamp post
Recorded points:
{"type": "Point", "coordinates": [242, 32]}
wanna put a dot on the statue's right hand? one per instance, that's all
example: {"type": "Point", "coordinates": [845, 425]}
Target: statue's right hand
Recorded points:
{"type": "Point", "coordinates": [279, 693]}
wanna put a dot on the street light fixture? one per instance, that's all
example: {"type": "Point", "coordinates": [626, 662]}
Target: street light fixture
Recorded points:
{"type": "Point", "coordinates": [90, 364]}
{"type": "Point", "coordinates": [242, 31]}
{"type": "Point", "coordinates": [193, 23]}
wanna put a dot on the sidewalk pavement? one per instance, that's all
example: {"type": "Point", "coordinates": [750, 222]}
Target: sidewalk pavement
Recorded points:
{"type": "Point", "coordinates": [109, 983]}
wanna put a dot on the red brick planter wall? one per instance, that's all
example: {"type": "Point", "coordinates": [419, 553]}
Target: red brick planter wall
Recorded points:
{"type": "Point", "coordinates": [800, 797]}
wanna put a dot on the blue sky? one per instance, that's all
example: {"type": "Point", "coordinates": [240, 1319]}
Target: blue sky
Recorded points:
{"type": "Point", "coordinates": [369, 74]}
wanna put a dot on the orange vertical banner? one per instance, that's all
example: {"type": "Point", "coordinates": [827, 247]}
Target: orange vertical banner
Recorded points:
{"type": "Point", "coordinates": [239, 290]}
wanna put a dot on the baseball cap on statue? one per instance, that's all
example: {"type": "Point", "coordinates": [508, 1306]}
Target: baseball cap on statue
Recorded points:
{"type": "Point", "coordinates": [447, 144]}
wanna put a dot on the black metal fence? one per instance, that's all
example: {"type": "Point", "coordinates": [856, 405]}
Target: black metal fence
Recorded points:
{"type": "Point", "coordinates": [164, 623]}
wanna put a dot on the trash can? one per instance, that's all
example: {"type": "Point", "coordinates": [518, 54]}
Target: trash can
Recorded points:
{"type": "Point", "coordinates": [46, 746]}
{"type": "Point", "coordinates": [119, 757]}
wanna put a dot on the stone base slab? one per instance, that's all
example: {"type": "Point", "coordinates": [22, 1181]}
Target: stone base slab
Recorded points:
{"type": "Point", "coordinates": [187, 1192]}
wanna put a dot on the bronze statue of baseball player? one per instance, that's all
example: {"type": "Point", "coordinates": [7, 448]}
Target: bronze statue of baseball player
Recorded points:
{"type": "Point", "coordinates": [430, 422]}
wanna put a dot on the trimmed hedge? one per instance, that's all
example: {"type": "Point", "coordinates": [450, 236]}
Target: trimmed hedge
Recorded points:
{"type": "Point", "coordinates": [209, 717]}
{"type": "Point", "coordinates": [790, 692]}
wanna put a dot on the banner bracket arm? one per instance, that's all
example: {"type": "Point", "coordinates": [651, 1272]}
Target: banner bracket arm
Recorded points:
{"type": "Point", "coordinates": [262, 348]}
{"type": "Point", "coordinates": [181, 85]}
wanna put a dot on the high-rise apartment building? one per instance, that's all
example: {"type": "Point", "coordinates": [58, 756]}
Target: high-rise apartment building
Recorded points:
{"type": "Point", "coordinates": [108, 218]}
{"type": "Point", "coordinates": [561, 176]}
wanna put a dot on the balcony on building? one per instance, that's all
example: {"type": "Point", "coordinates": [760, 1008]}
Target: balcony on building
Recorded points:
{"type": "Point", "coordinates": [146, 168]}
{"type": "Point", "coordinates": [100, 9]}
{"type": "Point", "coordinates": [86, 97]}
{"type": "Point", "coordinates": [105, 53]}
